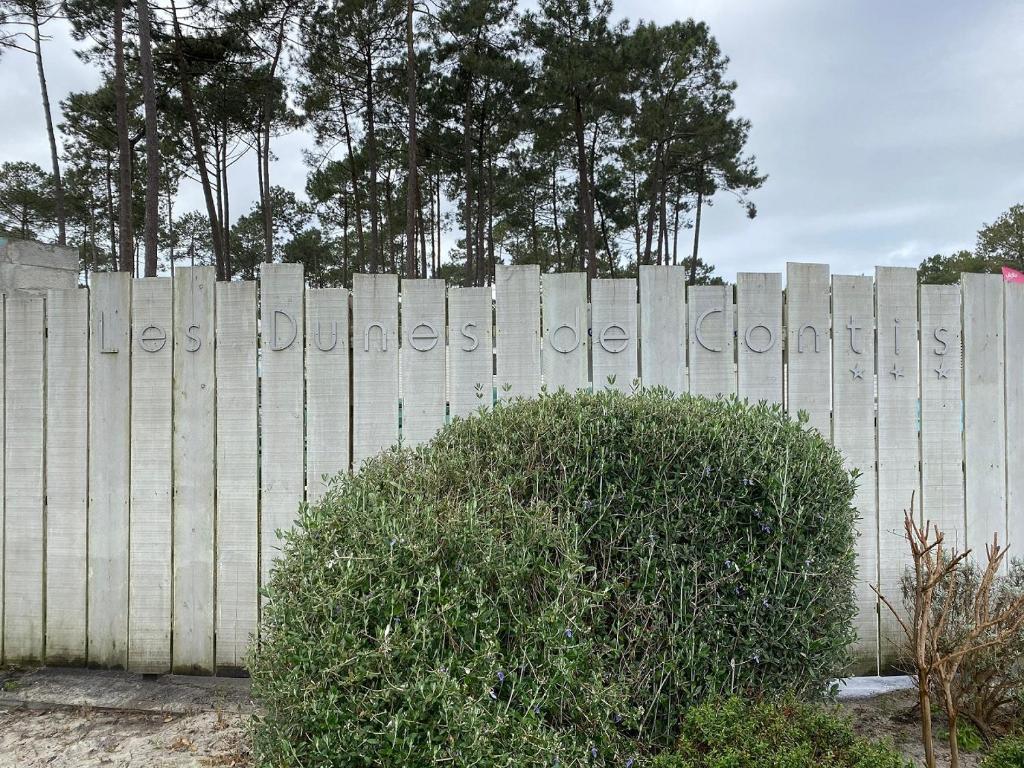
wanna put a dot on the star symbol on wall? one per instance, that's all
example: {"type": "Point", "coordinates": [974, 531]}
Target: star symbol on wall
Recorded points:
{"type": "Point", "coordinates": [941, 372]}
{"type": "Point", "coordinates": [897, 373]}
{"type": "Point", "coordinates": [857, 371]}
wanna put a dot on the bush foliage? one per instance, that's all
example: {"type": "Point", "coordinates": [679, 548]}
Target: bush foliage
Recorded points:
{"type": "Point", "coordinates": [738, 734]}
{"type": "Point", "coordinates": [555, 581]}
{"type": "Point", "coordinates": [1007, 753]}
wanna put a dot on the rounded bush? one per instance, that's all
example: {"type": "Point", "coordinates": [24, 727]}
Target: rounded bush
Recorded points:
{"type": "Point", "coordinates": [555, 581]}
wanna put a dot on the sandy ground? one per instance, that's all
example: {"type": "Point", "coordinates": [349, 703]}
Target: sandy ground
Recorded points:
{"type": "Point", "coordinates": [57, 718]}
{"type": "Point", "coordinates": [65, 717]}
{"type": "Point", "coordinates": [894, 715]}
{"type": "Point", "coordinates": [84, 737]}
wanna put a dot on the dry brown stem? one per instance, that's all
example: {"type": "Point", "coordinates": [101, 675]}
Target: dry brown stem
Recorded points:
{"type": "Point", "coordinates": [934, 655]}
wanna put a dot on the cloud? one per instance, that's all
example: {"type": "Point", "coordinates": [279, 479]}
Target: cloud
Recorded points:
{"type": "Point", "coordinates": [24, 129]}
{"type": "Point", "coordinates": [890, 130]}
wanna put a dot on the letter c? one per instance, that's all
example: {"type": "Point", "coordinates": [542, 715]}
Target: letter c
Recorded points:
{"type": "Point", "coordinates": [697, 329]}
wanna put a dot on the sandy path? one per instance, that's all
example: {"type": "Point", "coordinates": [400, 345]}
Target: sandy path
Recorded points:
{"type": "Point", "coordinates": [56, 718]}
{"type": "Point", "coordinates": [84, 737]}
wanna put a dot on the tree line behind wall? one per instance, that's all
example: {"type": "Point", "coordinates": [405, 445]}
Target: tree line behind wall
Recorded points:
{"type": "Point", "coordinates": [446, 137]}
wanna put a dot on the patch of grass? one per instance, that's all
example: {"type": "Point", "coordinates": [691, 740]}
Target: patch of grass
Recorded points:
{"type": "Point", "coordinates": [968, 738]}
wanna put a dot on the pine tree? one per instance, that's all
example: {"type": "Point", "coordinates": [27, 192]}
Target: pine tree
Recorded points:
{"type": "Point", "coordinates": [35, 14]}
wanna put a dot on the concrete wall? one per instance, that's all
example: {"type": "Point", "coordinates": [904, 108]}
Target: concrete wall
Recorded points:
{"type": "Point", "coordinates": [156, 433]}
{"type": "Point", "coordinates": [30, 268]}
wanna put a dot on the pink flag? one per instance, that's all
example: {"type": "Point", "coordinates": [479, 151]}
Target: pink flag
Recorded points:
{"type": "Point", "coordinates": [1011, 275]}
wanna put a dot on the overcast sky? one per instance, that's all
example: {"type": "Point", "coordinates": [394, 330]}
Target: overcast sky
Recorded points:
{"type": "Point", "coordinates": [890, 131]}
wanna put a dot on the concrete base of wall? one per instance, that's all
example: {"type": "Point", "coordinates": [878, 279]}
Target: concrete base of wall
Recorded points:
{"type": "Point", "coordinates": [27, 267]}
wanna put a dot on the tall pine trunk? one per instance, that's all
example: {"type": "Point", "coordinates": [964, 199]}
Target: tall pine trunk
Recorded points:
{"type": "Point", "coordinates": [636, 218]}
{"type": "Point", "coordinates": [152, 221]}
{"type": "Point", "coordinates": [389, 263]}
{"type": "Point", "coordinates": [371, 159]}
{"type": "Point", "coordinates": [225, 227]}
{"type": "Point", "coordinates": [554, 212]}
{"type": "Point", "coordinates": [360, 243]}
{"type": "Point", "coordinates": [198, 150]}
{"type": "Point", "coordinates": [652, 202]}
{"type": "Point", "coordinates": [422, 224]}
{"type": "Point", "coordinates": [481, 201]}
{"type": "Point", "coordinates": [344, 239]}
{"type": "Point", "coordinates": [58, 184]}
{"type": "Point", "coordinates": [534, 249]}
{"type": "Point", "coordinates": [467, 169]}
{"type": "Point", "coordinates": [266, 204]}
{"type": "Point", "coordinates": [587, 260]}
{"type": "Point", "coordinates": [696, 238]}
{"type": "Point", "coordinates": [675, 233]}
{"type": "Point", "coordinates": [435, 227]}
{"type": "Point", "coordinates": [491, 266]}
{"type": "Point", "coordinates": [604, 237]}
{"type": "Point", "coordinates": [218, 165]}
{"type": "Point", "coordinates": [126, 237]}
{"type": "Point", "coordinates": [412, 185]}
{"type": "Point", "coordinates": [171, 237]}
{"type": "Point", "coordinates": [90, 254]}
{"type": "Point", "coordinates": [111, 213]}
{"type": "Point", "coordinates": [438, 222]}
{"type": "Point", "coordinates": [663, 222]}
{"type": "Point", "coordinates": [263, 147]}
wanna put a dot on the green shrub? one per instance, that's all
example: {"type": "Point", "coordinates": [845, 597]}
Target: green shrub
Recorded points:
{"type": "Point", "coordinates": [738, 734]}
{"type": "Point", "coordinates": [968, 737]}
{"type": "Point", "coordinates": [556, 581]}
{"type": "Point", "coordinates": [1007, 753]}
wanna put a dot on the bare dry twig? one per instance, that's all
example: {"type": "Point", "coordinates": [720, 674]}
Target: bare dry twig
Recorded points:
{"type": "Point", "coordinates": [935, 656]}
